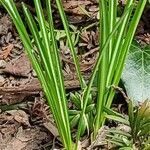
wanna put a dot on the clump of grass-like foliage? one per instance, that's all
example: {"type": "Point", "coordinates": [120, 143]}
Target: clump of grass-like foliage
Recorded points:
{"type": "Point", "coordinates": [116, 34]}
{"type": "Point", "coordinates": [138, 122]}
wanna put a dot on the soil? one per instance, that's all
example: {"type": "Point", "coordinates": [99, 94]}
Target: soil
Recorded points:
{"type": "Point", "coordinates": [25, 119]}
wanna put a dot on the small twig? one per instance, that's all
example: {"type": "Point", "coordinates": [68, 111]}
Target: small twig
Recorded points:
{"type": "Point", "coordinates": [36, 87]}
{"type": "Point", "coordinates": [90, 52]}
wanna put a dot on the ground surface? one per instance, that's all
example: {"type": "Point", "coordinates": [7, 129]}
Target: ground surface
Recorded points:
{"type": "Point", "coordinates": [24, 117]}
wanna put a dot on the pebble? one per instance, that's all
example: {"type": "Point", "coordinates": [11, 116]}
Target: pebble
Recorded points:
{"type": "Point", "coordinates": [2, 64]}
{"type": "Point", "coordinates": [34, 73]}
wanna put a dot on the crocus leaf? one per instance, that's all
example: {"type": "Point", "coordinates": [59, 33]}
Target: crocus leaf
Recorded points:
{"type": "Point", "coordinates": [136, 74]}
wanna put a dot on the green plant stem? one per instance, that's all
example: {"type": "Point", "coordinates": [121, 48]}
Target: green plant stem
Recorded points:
{"type": "Point", "coordinates": [117, 47]}
{"type": "Point", "coordinates": [102, 72]}
{"type": "Point", "coordinates": [59, 77]}
{"type": "Point", "coordinates": [73, 51]}
{"type": "Point", "coordinates": [112, 18]}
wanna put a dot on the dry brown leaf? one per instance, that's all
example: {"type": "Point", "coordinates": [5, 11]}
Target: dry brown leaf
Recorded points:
{"type": "Point", "coordinates": [6, 51]}
{"type": "Point", "coordinates": [52, 128]}
{"type": "Point", "coordinates": [74, 4]}
{"type": "Point", "coordinates": [19, 67]}
{"type": "Point", "coordinates": [20, 116]}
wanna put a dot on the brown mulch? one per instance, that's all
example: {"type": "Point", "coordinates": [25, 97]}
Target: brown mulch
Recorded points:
{"type": "Point", "coordinates": [25, 120]}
